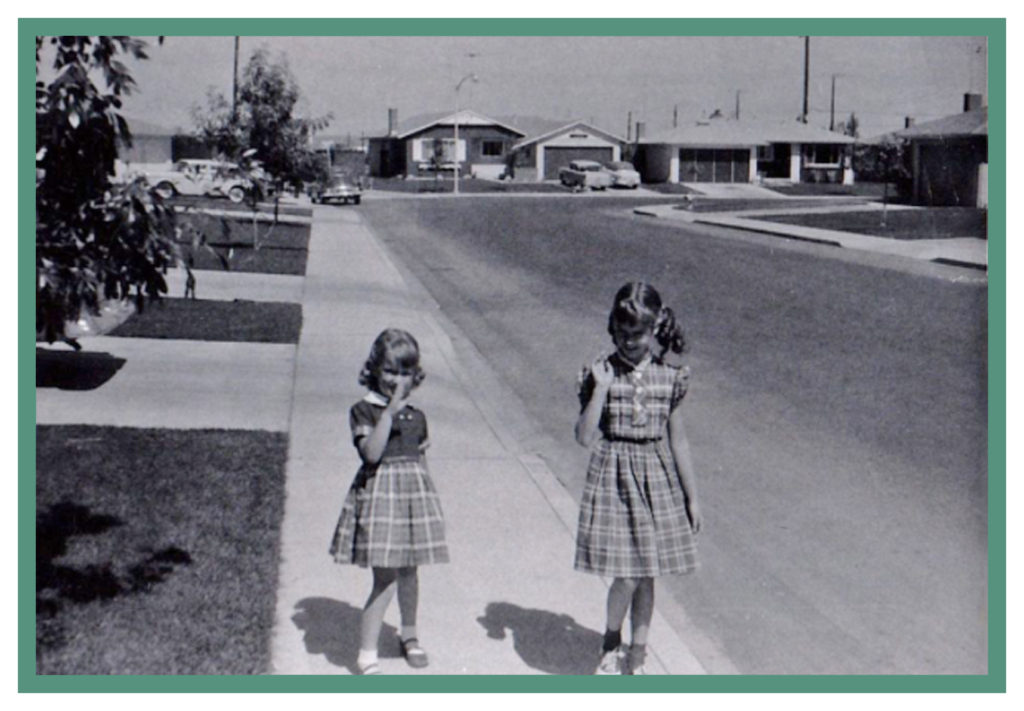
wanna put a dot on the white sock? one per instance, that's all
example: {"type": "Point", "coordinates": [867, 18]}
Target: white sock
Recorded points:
{"type": "Point", "coordinates": [408, 633]}
{"type": "Point", "coordinates": [366, 657]}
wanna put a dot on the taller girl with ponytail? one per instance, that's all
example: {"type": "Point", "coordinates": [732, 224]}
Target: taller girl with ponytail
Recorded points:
{"type": "Point", "coordinates": [639, 511]}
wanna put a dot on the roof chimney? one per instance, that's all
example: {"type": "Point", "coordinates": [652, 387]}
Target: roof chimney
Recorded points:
{"type": "Point", "coordinates": [972, 102]}
{"type": "Point", "coordinates": [392, 122]}
{"type": "Point", "coordinates": [640, 126]}
{"type": "Point", "coordinates": [908, 121]}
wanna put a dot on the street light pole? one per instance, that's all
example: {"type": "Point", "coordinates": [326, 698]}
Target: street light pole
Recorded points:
{"type": "Point", "coordinates": [472, 78]}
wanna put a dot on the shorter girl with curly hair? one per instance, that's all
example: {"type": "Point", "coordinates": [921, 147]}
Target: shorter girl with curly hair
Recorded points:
{"type": "Point", "coordinates": [391, 520]}
{"type": "Point", "coordinates": [639, 511]}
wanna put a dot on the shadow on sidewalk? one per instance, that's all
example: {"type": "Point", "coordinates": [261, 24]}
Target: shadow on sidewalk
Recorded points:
{"type": "Point", "coordinates": [68, 370]}
{"type": "Point", "coordinates": [547, 641]}
{"type": "Point", "coordinates": [331, 628]}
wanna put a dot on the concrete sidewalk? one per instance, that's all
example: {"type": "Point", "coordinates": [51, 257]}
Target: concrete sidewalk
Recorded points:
{"type": "Point", "coordinates": [510, 601]}
{"type": "Point", "coordinates": [959, 251]}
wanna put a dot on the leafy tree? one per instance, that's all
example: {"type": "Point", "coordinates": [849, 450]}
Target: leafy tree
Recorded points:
{"type": "Point", "coordinates": [95, 240]}
{"type": "Point", "coordinates": [263, 122]}
{"type": "Point", "coordinates": [887, 162]}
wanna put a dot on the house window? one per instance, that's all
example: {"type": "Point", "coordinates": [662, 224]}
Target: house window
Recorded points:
{"type": "Point", "coordinates": [766, 153]}
{"type": "Point", "coordinates": [822, 154]}
{"type": "Point", "coordinates": [492, 148]}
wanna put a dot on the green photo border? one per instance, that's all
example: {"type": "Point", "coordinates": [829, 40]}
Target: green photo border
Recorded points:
{"type": "Point", "coordinates": [992, 28]}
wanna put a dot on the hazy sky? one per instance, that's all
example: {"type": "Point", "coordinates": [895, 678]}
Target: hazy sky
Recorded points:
{"type": "Point", "coordinates": [881, 79]}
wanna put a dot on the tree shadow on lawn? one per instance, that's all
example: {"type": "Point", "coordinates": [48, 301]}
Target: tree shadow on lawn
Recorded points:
{"type": "Point", "coordinates": [548, 641]}
{"type": "Point", "coordinates": [331, 628]}
{"type": "Point", "coordinates": [57, 585]}
{"type": "Point", "coordinates": [71, 370]}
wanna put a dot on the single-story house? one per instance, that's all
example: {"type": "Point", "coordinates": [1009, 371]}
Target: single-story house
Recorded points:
{"type": "Point", "coordinates": [425, 144]}
{"type": "Point", "coordinates": [731, 151]}
{"type": "Point", "coordinates": [949, 157]}
{"type": "Point", "coordinates": [541, 156]}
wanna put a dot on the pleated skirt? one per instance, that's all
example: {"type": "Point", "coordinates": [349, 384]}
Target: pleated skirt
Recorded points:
{"type": "Point", "coordinates": [391, 518]}
{"type": "Point", "coordinates": [633, 521]}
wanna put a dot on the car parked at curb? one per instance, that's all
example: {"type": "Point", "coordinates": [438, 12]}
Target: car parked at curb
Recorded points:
{"type": "Point", "coordinates": [201, 177]}
{"type": "Point", "coordinates": [338, 190]}
{"type": "Point", "coordinates": [624, 175]}
{"type": "Point", "coordinates": [580, 174]}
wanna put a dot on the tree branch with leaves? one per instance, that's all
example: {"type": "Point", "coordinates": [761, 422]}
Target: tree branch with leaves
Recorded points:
{"type": "Point", "coordinates": [95, 240]}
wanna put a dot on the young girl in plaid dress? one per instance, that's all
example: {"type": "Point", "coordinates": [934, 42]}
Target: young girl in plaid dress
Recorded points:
{"type": "Point", "coordinates": [639, 510]}
{"type": "Point", "coordinates": [391, 520]}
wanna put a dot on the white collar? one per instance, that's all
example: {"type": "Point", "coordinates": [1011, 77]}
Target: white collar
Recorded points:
{"type": "Point", "coordinates": [375, 398]}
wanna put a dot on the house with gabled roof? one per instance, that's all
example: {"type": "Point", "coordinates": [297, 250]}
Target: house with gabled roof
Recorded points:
{"type": "Point", "coordinates": [949, 157]}
{"type": "Point", "coordinates": [742, 151]}
{"type": "Point", "coordinates": [425, 144]}
{"type": "Point", "coordinates": [540, 156]}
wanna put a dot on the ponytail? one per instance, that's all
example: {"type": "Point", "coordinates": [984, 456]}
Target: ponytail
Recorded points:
{"type": "Point", "coordinates": [668, 332]}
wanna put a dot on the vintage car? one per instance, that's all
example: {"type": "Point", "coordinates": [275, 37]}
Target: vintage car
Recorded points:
{"type": "Point", "coordinates": [580, 174]}
{"type": "Point", "coordinates": [624, 175]}
{"type": "Point", "coordinates": [201, 177]}
{"type": "Point", "coordinates": [337, 190]}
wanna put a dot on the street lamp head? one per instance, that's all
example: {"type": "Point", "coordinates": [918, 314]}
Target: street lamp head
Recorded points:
{"type": "Point", "coordinates": [469, 77]}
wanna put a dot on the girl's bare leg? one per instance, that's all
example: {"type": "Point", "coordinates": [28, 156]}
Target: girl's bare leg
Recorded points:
{"type": "Point", "coordinates": [376, 604]}
{"type": "Point", "coordinates": [620, 596]}
{"type": "Point", "coordinates": [640, 622]}
{"type": "Point", "coordinates": [408, 599]}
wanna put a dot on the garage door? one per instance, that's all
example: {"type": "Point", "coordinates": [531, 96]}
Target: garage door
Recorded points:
{"type": "Point", "coordinates": [717, 165]}
{"type": "Point", "coordinates": [555, 158]}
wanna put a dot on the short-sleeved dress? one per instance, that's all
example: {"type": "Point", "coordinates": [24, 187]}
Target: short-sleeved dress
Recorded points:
{"type": "Point", "coordinates": [633, 518]}
{"type": "Point", "coordinates": [391, 516]}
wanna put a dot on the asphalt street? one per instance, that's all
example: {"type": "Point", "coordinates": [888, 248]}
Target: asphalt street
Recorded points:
{"type": "Point", "coordinates": [837, 415]}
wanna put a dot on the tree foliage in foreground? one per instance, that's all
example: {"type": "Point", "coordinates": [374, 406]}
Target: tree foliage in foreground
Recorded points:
{"type": "Point", "coordinates": [95, 240]}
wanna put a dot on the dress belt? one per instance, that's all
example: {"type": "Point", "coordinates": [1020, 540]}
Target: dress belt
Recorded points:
{"type": "Point", "coordinates": [640, 440]}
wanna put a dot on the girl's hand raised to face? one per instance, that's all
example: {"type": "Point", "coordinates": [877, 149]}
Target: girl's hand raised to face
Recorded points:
{"type": "Point", "coordinates": [400, 394]}
{"type": "Point", "coordinates": [602, 370]}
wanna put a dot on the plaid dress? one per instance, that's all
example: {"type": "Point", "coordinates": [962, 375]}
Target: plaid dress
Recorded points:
{"type": "Point", "coordinates": [633, 520]}
{"type": "Point", "coordinates": [391, 517]}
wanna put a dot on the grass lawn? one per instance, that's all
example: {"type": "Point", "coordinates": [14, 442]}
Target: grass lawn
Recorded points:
{"type": "Point", "coordinates": [924, 223]}
{"type": "Point", "coordinates": [156, 549]}
{"type": "Point", "coordinates": [209, 320]}
{"type": "Point", "coordinates": [701, 203]}
{"type": "Point", "coordinates": [866, 190]}
{"type": "Point", "coordinates": [283, 248]}
{"type": "Point", "coordinates": [669, 188]}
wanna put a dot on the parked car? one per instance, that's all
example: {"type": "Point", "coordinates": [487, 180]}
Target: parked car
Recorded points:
{"type": "Point", "coordinates": [337, 190]}
{"type": "Point", "coordinates": [201, 177]}
{"type": "Point", "coordinates": [624, 175]}
{"type": "Point", "coordinates": [580, 174]}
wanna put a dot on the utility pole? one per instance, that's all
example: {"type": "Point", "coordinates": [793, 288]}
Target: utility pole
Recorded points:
{"type": "Point", "coordinates": [234, 85]}
{"type": "Point", "coordinates": [807, 75]}
{"type": "Point", "coordinates": [629, 127]}
{"type": "Point", "coordinates": [832, 110]}
{"type": "Point", "coordinates": [737, 104]}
